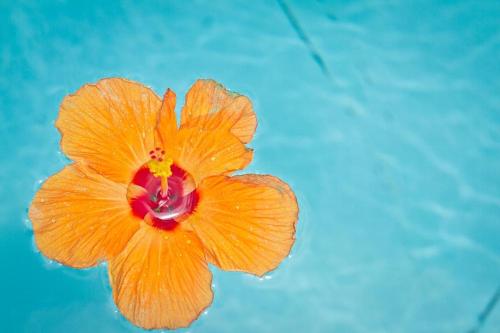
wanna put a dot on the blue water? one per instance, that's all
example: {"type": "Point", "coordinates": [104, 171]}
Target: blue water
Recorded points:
{"type": "Point", "coordinates": [384, 116]}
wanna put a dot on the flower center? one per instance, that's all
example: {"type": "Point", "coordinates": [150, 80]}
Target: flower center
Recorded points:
{"type": "Point", "coordinates": [162, 193]}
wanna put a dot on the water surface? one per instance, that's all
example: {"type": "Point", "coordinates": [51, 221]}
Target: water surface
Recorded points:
{"type": "Point", "coordinates": [382, 115]}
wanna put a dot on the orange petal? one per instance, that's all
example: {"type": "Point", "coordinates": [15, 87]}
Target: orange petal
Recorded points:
{"type": "Point", "coordinates": [109, 126]}
{"type": "Point", "coordinates": [167, 124]}
{"type": "Point", "coordinates": [209, 105]}
{"type": "Point", "coordinates": [246, 223]}
{"type": "Point", "coordinates": [80, 217]}
{"type": "Point", "coordinates": [161, 279]}
{"type": "Point", "coordinates": [205, 153]}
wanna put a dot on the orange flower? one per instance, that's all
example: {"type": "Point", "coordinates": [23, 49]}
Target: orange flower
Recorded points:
{"type": "Point", "coordinates": [157, 201]}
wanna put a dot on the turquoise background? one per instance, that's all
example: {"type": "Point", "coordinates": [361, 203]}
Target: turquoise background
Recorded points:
{"type": "Point", "coordinates": [384, 116]}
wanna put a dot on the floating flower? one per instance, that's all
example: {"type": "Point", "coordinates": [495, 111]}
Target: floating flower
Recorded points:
{"type": "Point", "coordinates": [156, 200]}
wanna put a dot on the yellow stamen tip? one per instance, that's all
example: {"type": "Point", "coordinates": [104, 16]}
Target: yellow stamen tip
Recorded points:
{"type": "Point", "coordinates": [160, 169]}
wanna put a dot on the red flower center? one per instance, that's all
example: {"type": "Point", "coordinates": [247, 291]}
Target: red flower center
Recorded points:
{"type": "Point", "coordinates": [166, 210]}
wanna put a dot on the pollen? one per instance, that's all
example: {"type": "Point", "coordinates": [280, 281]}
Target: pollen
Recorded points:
{"type": "Point", "coordinates": [159, 165]}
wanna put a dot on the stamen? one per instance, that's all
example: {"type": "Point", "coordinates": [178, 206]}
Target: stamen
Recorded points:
{"type": "Point", "coordinates": [161, 168]}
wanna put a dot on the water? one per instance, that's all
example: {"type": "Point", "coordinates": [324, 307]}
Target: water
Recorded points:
{"type": "Point", "coordinates": [382, 115]}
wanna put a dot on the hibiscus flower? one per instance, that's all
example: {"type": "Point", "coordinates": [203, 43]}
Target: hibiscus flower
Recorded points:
{"type": "Point", "coordinates": [157, 201]}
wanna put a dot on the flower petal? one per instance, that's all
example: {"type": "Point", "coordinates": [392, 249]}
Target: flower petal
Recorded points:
{"type": "Point", "coordinates": [246, 223]}
{"type": "Point", "coordinates": [80, 217]}
{"type": "Point", "coordinates": [161, 279]}
{"type": "Point", "coordinates": [167, 124]}
{"type": "Point", "coordinates": [209, 105]}
{"type": "Point", "coordinates": [109, 126]}
{"type": "Point", "coordinates": [205, 153]}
